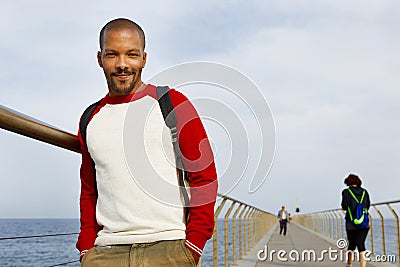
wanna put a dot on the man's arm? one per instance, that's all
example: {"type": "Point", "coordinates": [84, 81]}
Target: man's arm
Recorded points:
{"type": "Point", "coordinates": [88, 199]}
{"type": "Point", "coordinates": [199, 161]}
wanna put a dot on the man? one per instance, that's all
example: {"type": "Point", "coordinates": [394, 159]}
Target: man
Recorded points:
{"type": "Point", "coordinates": [122, 224]}
{"type": "Point", "coordinates": [284, 218]}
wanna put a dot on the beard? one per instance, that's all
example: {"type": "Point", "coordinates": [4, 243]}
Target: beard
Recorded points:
{"type": "Point", "coordinates": [123, 87]}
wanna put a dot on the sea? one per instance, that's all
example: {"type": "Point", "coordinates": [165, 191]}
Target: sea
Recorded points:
{"type": "Point", "coordinates": [57, 250]}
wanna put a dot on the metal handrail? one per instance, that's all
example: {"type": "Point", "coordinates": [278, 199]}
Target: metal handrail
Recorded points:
{"type": "Point", "coordinates": [19, 123]}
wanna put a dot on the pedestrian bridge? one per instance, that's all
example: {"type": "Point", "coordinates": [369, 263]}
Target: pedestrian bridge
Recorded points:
{"type": "Point", "coordinates": [247, 236]}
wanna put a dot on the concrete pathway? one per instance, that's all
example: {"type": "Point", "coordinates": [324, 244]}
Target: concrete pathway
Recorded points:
{"type": "Point", "coordinates": [301, 248]}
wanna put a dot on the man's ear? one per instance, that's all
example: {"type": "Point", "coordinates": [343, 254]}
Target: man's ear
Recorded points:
{"type": "Point", "coordinates": [99, 59]}
{"type": "Point", "coordinates": [144, 59]}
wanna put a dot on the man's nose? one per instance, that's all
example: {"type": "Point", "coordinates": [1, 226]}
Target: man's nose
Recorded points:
{"type": "Point", "coordinates": [121, 63]}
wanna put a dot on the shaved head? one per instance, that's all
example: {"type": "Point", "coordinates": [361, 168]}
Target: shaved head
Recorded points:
{"type": "Point", "coordinates": [121, 24]}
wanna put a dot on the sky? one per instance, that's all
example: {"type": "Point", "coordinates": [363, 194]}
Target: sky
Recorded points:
{"type": "Point", "coordinates": [328, 70]}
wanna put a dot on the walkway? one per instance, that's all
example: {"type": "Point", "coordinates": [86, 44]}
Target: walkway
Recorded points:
{"type": "Point", "coordinates": [298, 240]}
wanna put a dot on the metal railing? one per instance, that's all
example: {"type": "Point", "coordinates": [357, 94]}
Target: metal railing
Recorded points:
{"type": "Point", "coordinates": [331, 224]}
{"type": "Point", "coordinates": [248, 223]}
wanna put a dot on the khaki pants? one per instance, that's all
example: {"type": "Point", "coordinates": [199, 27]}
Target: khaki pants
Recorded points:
{"type": "Point", "coordinates": [161, 253]}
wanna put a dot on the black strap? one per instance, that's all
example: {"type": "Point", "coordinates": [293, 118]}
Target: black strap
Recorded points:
{"type": "Point", "coordinates": [85, 119]}
{"type": "Point", "coordinates": [166, 106]}
{"type": "Point", "coordinates": [167, 109]}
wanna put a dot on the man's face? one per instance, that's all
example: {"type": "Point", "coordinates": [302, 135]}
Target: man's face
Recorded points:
{"type": "Point", "coordinates": [122, 60]}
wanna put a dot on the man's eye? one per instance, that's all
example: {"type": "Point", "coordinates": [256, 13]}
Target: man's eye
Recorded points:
{"type": "Point", "coordinates": [110, 54]}
{"type": "Point", "coordinates": [133, 54]}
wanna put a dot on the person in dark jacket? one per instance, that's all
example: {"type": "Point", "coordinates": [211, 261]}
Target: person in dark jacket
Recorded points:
{"type": "Point", "coordinates": [355, 236]}
{"type": "Point", "coordinates": [284, 218]}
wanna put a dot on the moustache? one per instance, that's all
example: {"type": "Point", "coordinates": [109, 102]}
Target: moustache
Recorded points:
{"type": "Point", "coordinates": [122, 72]}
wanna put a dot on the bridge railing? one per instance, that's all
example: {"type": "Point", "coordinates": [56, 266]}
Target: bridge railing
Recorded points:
{"type": "Point", "coordinates": [384, 228]}
{"type": "Point", "coordinates": [244, 224]}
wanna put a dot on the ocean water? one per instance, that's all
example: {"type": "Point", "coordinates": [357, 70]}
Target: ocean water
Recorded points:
{"type": "Point", "coordinates": [390, 238]}
{"type": "Point", "coordinates": [44, 251]}
{"type": "Point", "coordinates": [50, 251]}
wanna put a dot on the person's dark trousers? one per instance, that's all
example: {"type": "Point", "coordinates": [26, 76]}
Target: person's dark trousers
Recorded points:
{"type": "Point", "coordinates": [283, 226]}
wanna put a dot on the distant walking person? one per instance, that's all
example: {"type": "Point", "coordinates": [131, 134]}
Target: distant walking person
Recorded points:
{"type": "Point", "coordinates": [283, 216]}
{"type": "Point", "coordinates": [352, 197]}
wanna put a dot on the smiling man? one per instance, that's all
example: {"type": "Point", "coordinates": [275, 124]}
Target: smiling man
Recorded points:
{"type": "Point", "coordinates": [122, 224]}
{"type": "Point", "coordinates": [122, 57]}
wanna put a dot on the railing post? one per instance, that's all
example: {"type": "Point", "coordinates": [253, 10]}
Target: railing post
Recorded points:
{"type": "Point", "coordinates": [255, 226]}
{"type": "Point", "coordinates": [382, 230]}
{"type": "Point", "coordinates": [338, 225]}
{"type": "Point", "coordinates": [226, 233]}
{"type": "Point", "coordinates": [246, 229]}
{"type": "Point", "coordinates": [240, 231]}
{"type": "Point", "coordinates": [371, 235]}
{"type": "Point", "coordinates": [215, 234]}
{"type": "Point", "coordinates": [321, 223]}
{"type": "Point", "coordinates": [326, 231]}
{"type": "Point", "coordinates": [331, 224]}
{"type": "Point", "coordinates": [257, 229]}
{"type": "Point", "coordinates": [234, 233]}
{"type": "Point", "coordinates": [396, 218]}
{"type": "Point", "coordinates": [335, 225]}
{"type": "Point", "coordinates": [251, 228]}
{"type": "Point", "coordinates": [342, 223]}
{"type": "Point", "coordinates": [314, 222]}
{"type": "Point", "coordinates": [253, 236]}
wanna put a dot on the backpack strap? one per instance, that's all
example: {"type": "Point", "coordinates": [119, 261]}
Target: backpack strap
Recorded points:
{"type": "Point", "coordinates": [348, 207]}
{"type": "Point", "coordinates": [85, 119]}
{"type": "Point", "coordinates": [167, 109]}
{"type": "Point", "coordinates": [355, 198]}
{"type": "Point", "coordinates": [362, 197]}
{"type": "Point", "coordinates": [351, 216]}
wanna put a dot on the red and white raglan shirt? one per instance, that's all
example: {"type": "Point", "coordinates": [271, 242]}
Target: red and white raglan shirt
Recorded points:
{"type": "Point", "coordinates": [129, 187]}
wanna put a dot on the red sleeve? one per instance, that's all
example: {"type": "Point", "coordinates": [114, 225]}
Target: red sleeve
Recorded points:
{"type": "Point", "coordinates": [88, 199]}
{"type": "Point", "coordinates": [199, 161]}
